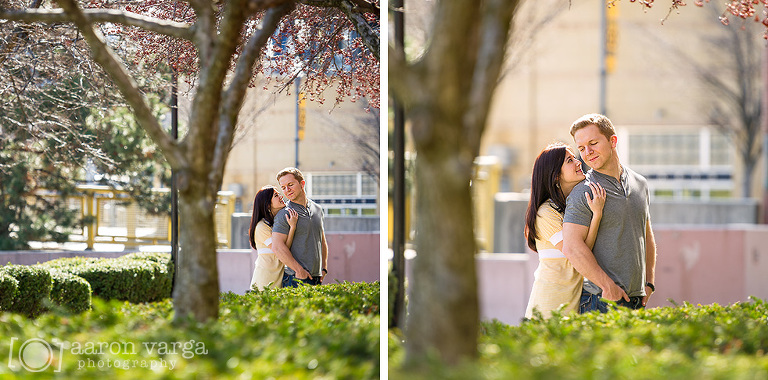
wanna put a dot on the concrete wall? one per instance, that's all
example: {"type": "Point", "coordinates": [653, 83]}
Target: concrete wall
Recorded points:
{"type": "Point", "coordinates": [510, 216]}
{"type": "Point", "coordinates": [339, 223]}
{"type": "Point", "coordinates": [707, 265]}
{"type": "Point", "coordinates": [712, 212]}
{"type": "Point", "coordinates": [700, 265]}
{"type": "Point", "coordinates": [509, 222]}
{"type": "Point", "coordinates": [504, 273]}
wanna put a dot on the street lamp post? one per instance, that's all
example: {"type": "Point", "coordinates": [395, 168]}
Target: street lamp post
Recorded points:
{"type": "Point", "coordinates": [174, 189]}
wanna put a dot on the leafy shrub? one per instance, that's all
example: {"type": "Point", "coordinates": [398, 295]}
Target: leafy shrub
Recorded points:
{"type": "Point", "coordinates": [72, 292]}
{"type": "Point", "coordinates": [283, 333]}
{"type": "Point", "coordinates": [9, 287]}
{"type": "Point", "coordinates": [134, 278]}
{"type": "Point", "coordinates": [34, 288]}
{"type": "Point", "coordinates": [346, 297]}
{"type": "Point", "coordinates": [65, 263]}
{"type": "Point", "coordinates": [685, 342]}
{"type": "Point", "coordinates": [158, 257]}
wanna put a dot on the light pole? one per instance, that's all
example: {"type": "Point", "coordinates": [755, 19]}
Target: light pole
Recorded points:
{"type": "Point", "coordinates": [174, 189]}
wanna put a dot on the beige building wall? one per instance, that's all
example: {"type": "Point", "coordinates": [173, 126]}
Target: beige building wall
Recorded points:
{"type": "Point", "coordinates": [265, 140]}
{"type": "Point", "coordinates": [556, 80]}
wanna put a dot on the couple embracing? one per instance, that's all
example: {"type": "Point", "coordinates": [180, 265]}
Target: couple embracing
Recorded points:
{"type": "Point", "coordinates": [592, 230]}
{"type": "Point", "coordinates": [289, 239]}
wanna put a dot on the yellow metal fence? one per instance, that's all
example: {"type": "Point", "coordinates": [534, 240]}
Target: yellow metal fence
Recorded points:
{"type": "Point", "coordinates": [118, 220]}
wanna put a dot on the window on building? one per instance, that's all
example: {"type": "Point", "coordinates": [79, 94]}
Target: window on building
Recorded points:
{"type": "Point", "coordinates": [679, 149]}
{"type": "Point", "coordinates": [686, 165]}
{"type": "Point", "coordinates": [720, 150]}
{"type": "Point", "coordinates": [345, 194]}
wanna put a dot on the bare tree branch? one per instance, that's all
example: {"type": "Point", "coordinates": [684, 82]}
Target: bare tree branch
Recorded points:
{"type": "Point", "coordinates": [167, 27]}
{"type": "Point", "coordinates": [401, 78]}
{"type": "Point", "coordinates": [111, 64]}
{"type": "Point", "coordinates": [205, 26]}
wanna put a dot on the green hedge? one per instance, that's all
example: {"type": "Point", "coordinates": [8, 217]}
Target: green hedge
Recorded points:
{"type": "Point", "coordinates": [70, 291]}
{"type": "Point", "coordinates": [325, 332]}
{"type": "Point", "coordinates": [133, 277]}
{"type": "Point", "coordinates": [27, 289]}
{"type": "Point", "coordinates": [66, 263]}
{"type": "Point", "coordinates": [684, 342]}
{"type": "Point", "coordinates": [34, 288]}
{"type": "Point", "coordinates": [70, 282]}
{"type": "Point", "coordinates": [9, 287]}
{"type": "Point", "coordinates": [157, 257]}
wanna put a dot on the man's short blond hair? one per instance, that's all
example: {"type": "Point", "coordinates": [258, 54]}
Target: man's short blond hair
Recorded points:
{"type": "Point", "coordinates": [291, 170]}
{"type": "Point", "coordinates": [601, 121]}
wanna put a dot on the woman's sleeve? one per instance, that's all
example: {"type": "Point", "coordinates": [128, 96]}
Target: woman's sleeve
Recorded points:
{"type": "Point", "coordinates": [263, 234]}
{"type": "Point", "coordinates": [549, 225]}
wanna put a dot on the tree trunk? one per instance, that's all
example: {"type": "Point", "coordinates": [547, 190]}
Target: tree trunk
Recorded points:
{"type": "Point", "coordinates": [196, 291]}
{"type": "Point", "coordinates": [443, 306]}
{"type": "Point", "coordinates": [447, 95]}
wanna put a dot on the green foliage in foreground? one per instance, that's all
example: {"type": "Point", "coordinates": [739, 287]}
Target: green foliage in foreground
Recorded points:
{"type": "Point", "coordinates": [685, 342]}
{"type": "Point", "coordinates": [326, 332]}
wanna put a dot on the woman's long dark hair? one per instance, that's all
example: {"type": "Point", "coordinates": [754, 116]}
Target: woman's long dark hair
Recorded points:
{"type": "Point", "coordinates": [545, 185]}
{"type": "Point", "coordinates": [261, 210]}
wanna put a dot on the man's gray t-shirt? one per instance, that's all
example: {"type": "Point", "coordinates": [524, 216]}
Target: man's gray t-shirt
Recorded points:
{"type": "Point", "coordinates": [620, 244]}
{"type": "Point", "coordinates": [307, 240]}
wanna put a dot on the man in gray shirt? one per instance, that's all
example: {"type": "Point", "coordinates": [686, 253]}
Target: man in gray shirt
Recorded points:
{"type": "Point", "coordinates": [307, 259]}
{"type": "Point", "coordinates": [623, 265]}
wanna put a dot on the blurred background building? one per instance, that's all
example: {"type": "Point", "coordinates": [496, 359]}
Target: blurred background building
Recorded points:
{"type": "Point", "coordinates": [660, 89]}
{"type": "Point", "coordinates": [338, 150]}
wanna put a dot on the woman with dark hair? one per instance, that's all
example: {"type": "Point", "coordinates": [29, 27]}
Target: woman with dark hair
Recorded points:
{"type": "Point", "coordinates": [268, 271]}
{"type": "Point", "coordinates": [555, 173]}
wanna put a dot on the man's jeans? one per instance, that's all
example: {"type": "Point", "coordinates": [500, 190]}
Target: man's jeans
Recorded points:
{"type": "Point", "coordinates": [290, 281]}
{"type": "Point", "coordinates": [590, 302]}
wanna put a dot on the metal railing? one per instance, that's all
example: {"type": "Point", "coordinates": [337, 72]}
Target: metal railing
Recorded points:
{"type": "Point", "coordinates": [115, 219]}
